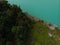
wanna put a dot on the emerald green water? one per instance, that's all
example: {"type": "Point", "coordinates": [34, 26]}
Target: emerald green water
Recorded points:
{"type": "Point", "coordinates": [48, 10]}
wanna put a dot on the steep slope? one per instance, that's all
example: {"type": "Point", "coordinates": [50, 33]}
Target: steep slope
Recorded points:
{"type": "Point", "coordinates": [19, 28]}
{"type": "Point", "coordinates": [15, 26]}
{"type": "Point", "coordinates": [44, 33]}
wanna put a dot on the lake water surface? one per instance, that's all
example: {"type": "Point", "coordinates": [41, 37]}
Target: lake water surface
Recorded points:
{"type": "Point", "coordinates": [48, 10]}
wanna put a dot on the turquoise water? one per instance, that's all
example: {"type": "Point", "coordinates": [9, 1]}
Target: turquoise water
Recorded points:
{"type": "Point", "coordinates": [48, 10]}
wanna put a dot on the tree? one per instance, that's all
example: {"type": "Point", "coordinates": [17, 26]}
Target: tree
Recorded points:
{"type": "Point", "coordinates": [14, 25]}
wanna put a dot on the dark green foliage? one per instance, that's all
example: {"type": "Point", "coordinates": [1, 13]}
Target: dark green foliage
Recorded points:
{"type": "Point", "coordinates": [14, 25]}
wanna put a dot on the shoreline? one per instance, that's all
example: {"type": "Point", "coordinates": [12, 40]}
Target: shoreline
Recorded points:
{"type": "Point", "coordinates": [37, 20]}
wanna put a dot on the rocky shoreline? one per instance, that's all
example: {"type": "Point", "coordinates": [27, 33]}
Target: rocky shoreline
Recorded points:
{"type": "Point", "coordinates": [48, 24]}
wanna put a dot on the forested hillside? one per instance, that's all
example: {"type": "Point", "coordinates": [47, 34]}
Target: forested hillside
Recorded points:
{"type": "Point", "coordinates": [19, 28]}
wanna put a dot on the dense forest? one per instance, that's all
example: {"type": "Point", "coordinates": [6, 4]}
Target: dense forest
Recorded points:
{"type": "Point", "coordinates": [15, 27]}
{"type": "Point", "coordinates": [20, 28]}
